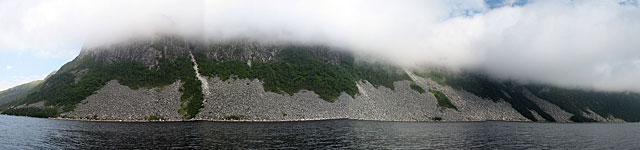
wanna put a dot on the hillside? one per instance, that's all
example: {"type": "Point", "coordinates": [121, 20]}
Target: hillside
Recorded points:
{"type": "Point", "coordinates": [580, 103]}
{"type": "Point", "coordinates": [14, 92]}
{"type": "Point", "coordinates": [169, 78]}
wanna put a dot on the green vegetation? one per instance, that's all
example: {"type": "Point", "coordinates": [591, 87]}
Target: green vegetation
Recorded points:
{"type": "Point", "coordinates": [32, 112]}
{"type": "Point", "coordinates": [235, 117]}
{"type": "Point", "coordinates": [417, 88]}
{"type": "Point", "coordinates": [443, 101]}
{"type": "Point", "coordinates": [14, 92]}
{"type": "Point", "coordinates": [378, 74]}
{"type": "Point", "coordinates": [62, 89]}
{"type": "Point", "coordinates": [153, 117]}
{"type": "Point", "coordinates": [299, 69]}
{"type": "Point", "coordinates": [436, 118]}
{"type": "Point", "coordinates": [435, 76]}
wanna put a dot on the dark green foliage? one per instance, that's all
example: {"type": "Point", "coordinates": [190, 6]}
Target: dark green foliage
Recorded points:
{"type": "Point", "coordinates": [436, 118]}
{"type": "Point", "coordinates": [417, 88]}
{"type": "Point", "coordinates": [443, 101]}
{"type": "Point", "coordinates": [33, 112]}
{"type": "Point", "coordinates": [62, 90]}
{"type": "Point", "coordinates": [153, 118]}
{"type": "Point", "coordinates": [298, 70]}
{"type": "Point", "coordinates": [235, 117]}
{"type": "Point", "coordinates": [379, 74]}
{"type": "Point", "coordinates": [580, 118]}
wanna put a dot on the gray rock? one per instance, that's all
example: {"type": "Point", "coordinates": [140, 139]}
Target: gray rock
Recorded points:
{"type": "Point", "coordinates": [115, 101]}
{"type": "Point", "coordinates": [247, 98]}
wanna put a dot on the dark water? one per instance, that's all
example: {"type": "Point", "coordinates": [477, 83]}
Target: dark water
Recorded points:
{"type": "Point", "coordinates": [33, 133]}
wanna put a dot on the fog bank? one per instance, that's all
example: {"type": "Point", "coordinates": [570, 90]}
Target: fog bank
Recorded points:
{"type": "Point", "coordinates": [587, 44]}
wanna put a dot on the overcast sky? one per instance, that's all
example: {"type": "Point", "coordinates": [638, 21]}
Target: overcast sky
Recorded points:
{"type": "Point", "coordinates": [590, 44]}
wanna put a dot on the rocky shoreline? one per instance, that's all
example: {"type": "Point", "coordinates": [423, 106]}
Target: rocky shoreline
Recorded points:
{"type": "Point", "coordinates": [257, 121]}
{"type": "Point", "coordinates": [267, 121]}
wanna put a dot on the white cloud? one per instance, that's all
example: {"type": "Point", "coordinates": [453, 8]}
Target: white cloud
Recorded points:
{"type": "Point", "coordinates": [573, 43]}
{"type": "Point", "coordinates": [9, 67]}
{"type": "Point", "coordinates": [13, 81]}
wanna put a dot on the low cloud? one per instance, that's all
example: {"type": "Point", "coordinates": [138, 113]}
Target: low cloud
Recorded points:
{"type": "Point", "coordinates": [573, 43]}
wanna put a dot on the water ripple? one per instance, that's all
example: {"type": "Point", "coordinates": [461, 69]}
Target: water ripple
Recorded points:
{"type": "Point", "coordinates": [32, 133]}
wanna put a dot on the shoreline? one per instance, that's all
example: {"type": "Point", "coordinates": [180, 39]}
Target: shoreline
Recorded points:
{"type": "Point", "coordinates": [301, 120]}
{"type": "Point", "coordinates": [269, 121]}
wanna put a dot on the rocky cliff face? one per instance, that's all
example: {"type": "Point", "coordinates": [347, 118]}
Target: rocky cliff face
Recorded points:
{"type": "Point", "coordinates": [146, 52]}
{"type": "Point", "coordinates": [149, 51]}
{"type": "Point", "coordinates": [248, 50]}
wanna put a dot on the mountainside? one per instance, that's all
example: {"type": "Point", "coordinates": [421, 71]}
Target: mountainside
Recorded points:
{"type": "Point", "coordinates": [12, 93]}
{"type": "Point", "coordinates": [169, 78]}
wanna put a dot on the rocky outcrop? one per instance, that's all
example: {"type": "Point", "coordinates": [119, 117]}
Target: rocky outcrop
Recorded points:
{"type": "Point", "coordinates": [247, 50]}
{"type": "Point", "coordinates": [119, 102]}
{"type": "Point", "coordinates": [146, 52]}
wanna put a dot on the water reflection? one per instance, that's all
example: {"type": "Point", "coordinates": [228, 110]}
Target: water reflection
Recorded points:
{"type": "Point", "coordinates": [32, 133]}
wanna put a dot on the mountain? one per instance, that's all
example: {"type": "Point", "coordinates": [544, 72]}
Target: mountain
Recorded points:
{"type": "Point", "coordinates": [170, 78]}
{"type": "Point", "coordinates": [14, 92]}
{"type": "Point", "coordinates": [583, 105]}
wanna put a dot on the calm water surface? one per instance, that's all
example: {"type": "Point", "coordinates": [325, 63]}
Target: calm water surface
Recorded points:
{"type": "Point", "coordinates": [34, 133]}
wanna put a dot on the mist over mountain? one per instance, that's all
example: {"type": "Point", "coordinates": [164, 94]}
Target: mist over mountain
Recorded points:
{"type": "Point", "coordinates": [320, 74]}
{"type": "Point", "coordinates": [577, 44]}
{"type": "Point", "coordinates": [566, 61]}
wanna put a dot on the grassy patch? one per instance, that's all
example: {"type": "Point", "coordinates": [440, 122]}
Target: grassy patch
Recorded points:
{"type": "Point", "coordinates": [443, 101]}
{"type": "Point", "coordinates": [154, 117]}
